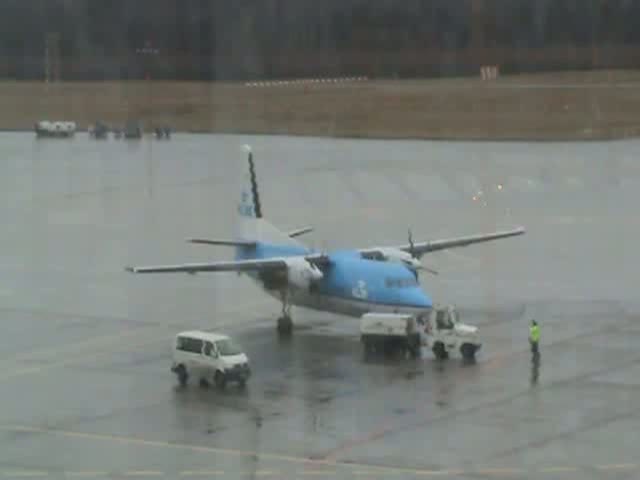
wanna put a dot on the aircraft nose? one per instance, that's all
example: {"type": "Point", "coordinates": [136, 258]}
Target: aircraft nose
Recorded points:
{"type": "Point", "coordinates": [419, 298]}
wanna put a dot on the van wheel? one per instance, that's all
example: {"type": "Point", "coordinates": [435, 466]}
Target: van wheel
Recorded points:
{"type": "Point", "coordinates": [413, 347]}
{"type": "Point", "coordinates": [414, 351]}
{"type": "Point", "coordinates": [182, 374]}
{"type": "Point", "coordinates": [439, 351]}
{"type": "Point", "coordinates": [468, 351]}
{"type": "Point", "coordinates": [220, 380]}
{"type": "Point", "coordinates": [367, 346]}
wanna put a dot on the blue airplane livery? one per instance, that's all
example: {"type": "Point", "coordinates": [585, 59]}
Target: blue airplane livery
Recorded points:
{"type": "Point", "coordinates": [350, 282]}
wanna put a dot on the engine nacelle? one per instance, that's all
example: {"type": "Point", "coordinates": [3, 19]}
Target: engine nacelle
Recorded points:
{"type": "Point", "coordinates": [400, 256]}
{"type": "Point", "coordinates": [302, 274]}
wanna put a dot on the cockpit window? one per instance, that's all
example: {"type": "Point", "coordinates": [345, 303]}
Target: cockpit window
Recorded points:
{"type": "Point", "coordinates": [401, 282]}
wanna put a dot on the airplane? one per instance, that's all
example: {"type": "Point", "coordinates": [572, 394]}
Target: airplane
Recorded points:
{"type": "Point", "coordinates": [350, 282]}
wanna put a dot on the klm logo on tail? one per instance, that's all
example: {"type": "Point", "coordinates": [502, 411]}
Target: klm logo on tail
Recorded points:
{"type": "Point", "coordinates": [245, 208]}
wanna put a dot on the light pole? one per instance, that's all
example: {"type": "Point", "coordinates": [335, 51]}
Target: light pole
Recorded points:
{"type": "Point", "coordinates": [147, 52]}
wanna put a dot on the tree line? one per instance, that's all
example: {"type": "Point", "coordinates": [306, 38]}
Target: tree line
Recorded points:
{"type": "Point", "coordinates": [246, 39]}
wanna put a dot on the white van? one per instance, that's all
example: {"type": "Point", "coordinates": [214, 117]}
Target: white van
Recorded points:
{"type": "Point", "coordinates": [209, 358]}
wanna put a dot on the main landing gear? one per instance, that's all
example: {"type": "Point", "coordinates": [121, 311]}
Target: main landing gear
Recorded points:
{"type": "Point", "coordinates": [285, 324]}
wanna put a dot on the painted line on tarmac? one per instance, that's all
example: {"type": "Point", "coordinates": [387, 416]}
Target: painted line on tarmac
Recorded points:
{"type": "Point", "coordinates": [558, 470]}
{"type": "Point", "coordinates": [311, 473]}
{"type": "Point", "coordinates": [80, 357]}
{"type": "Point", "coordinates": [374, 469]}
{"type": "Point", "coordinates": [500, 471]}
{"type": "Point", "coordinates": [163, 444]}
{"type": "Point", "coordinates": [25, 474]}
{"type": "Point", "coordinates": [436, 473]}
{"type": "Point", "coordinates": [69, 361]}
{"type": "Point", "coordinates": [357, 469]}
{"type": "Point", "coordinates": [87, 473]}
{"type": "Point", "coordinates": [201, 473]}
{"type": "Point", "coordinates": [143, 473]}
{"type": "Point", "coordinates": [87, 344]}
{"type": "Point", "coordinates": [618, 466]}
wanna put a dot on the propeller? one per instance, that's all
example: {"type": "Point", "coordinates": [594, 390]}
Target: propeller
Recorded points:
{"type": "Point", "coordinates": [415, 256]}
{"type": "Point", "coordinates": [411, 248]}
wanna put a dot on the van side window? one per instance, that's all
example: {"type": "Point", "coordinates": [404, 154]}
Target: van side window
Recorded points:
{"type": "Point", "coordinates": [191, 345]}
{"type": "Point", "coordinates": [208, 347]}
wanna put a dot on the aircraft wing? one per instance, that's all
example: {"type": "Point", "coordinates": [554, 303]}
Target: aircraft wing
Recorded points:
{"type": "Point", "coordinates": [420, 248]}
{"type": "Point", "coordinates": [266, 264]}
{"type": "Point", "coordinates": [241, 243]}
{"type": "Point", "coordinates": [226, 243]}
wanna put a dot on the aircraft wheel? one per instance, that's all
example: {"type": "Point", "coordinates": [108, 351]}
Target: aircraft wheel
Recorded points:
{"type": "Point", "coordinates": [220, 380]}
{"type": "Point", "coordinates": [285, 326]}
{"type": "Point", "coordinates": [368, 348]}
{"type": "Point", "coordinates": [439, 351]}
{"type": "Point", "coordinates": [468, 352]}
{"type": "Point", "coordinates": [181, 372]}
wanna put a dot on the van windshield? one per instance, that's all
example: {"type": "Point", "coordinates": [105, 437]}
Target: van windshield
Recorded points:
{"type": "Point", "coordinates": [227, 347]}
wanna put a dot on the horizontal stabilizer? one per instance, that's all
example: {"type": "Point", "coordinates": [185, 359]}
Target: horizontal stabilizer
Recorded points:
{"type": "Point", "coordinates": [300, 231]}
{"type": "Point", "coordinates": [227, 243]}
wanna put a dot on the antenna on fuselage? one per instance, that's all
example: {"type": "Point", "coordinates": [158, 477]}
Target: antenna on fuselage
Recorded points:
{"type": "Point", "coordinates": [411, 249]}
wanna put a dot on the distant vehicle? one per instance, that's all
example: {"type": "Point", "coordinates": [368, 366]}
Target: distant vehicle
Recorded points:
{"type": "Point", "coordinates": [209, 358]}
{"type": "Point", "coordinates": [162, 132]}
{"type": "Point", "coordinates": [99, 130]}
{"type": "Point", "coordinates": [133, 129]}
{"type": "Point", "coordinates": [46, 128]}
{"type": "Point", "coordinates": [389, 332]}
{"type": "Point", "coordinates": [440, 330]}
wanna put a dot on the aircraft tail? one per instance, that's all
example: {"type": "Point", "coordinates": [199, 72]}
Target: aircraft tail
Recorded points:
{"type": "Point", "coordinates": [251, 226]}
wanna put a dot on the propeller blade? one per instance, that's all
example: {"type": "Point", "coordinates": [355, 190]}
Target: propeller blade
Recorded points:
{"type": "Point", "coordinates": [411, 244]}
{"type": "Point", "coordinates": [433, 272]}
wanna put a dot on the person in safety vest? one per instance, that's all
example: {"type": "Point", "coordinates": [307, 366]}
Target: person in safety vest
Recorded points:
{"type": "Point", "coordinates": [534, 337]}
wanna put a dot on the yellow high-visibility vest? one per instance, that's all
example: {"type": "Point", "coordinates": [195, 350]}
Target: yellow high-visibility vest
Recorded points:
{"type": "Point", "coordinates": [534, 333]}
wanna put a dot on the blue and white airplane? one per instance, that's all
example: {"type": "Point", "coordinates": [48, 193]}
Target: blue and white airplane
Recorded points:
{"type": "Point", "coordinates": [349, 282]}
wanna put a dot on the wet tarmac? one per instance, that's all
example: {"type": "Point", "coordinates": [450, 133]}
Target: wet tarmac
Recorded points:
{"type": "Point", "coordinates": [85, 383]}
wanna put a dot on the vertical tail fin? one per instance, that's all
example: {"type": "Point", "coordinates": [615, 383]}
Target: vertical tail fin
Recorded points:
{"type": "Point", "coordinates": [250, 205]}
{"type": "Point", "coordinates": [251, 224]}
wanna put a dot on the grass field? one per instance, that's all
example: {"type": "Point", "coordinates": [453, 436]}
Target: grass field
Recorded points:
{"type": "Point", "coordinates": [573, 105]}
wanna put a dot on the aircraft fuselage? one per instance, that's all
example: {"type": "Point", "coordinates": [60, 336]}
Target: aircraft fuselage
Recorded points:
{"type": "Point", "coordinates": [351, 286]}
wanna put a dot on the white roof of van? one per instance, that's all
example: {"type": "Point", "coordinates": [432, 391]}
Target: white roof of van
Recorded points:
{"type": "Point", "coordinates": [202, 335]}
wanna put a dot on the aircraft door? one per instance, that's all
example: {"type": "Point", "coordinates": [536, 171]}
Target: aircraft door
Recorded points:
{"type": "Point", "coordinates": [210, 353]}
{"type": "Point", "coordinates": [444, 325]}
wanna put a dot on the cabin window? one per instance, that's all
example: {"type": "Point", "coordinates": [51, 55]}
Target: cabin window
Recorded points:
{"type": "Point", "coordinates": [400, 282]}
